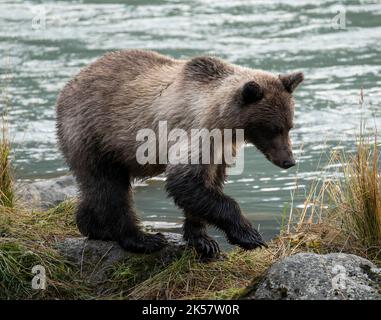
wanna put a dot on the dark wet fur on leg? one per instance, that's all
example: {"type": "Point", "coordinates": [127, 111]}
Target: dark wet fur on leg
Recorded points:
{"type": "Point", "coordinates": [196, 236]}
{"type": "Point", "coordinates": [187, 185]}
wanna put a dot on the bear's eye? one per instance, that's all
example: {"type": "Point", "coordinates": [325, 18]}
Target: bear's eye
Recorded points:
{"type": "Point", "coordinates": [275, 131]}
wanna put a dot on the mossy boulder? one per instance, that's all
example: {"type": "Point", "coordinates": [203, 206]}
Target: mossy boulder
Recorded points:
{"type": "Point", "coordinates": [99, 260]}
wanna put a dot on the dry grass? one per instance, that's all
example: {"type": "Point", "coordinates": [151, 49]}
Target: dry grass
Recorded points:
{"type": "Point", "coordinates": [188, 278]}
{"type": "Point", "coordinates": [51, 225]}
{"type": "Point", "coordinates": [6, 172]}
{"type": "Point", "coordinates": [17, 258]}
{"type": "Point", "coordinates": [27, 239]}
{"type": "Point", "coordinates": [357, 198]}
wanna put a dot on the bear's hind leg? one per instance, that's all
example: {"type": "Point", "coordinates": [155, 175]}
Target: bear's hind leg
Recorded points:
{"type": "Point", "coordinates": [106, 213]}
{"type": "Point", "coordinates": [195, 234]}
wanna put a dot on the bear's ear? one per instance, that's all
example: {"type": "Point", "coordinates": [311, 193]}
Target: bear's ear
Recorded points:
{"type": "Point", "coordinates": [251, 92]}
{"type": "Point", "coordinates": [292, 80]}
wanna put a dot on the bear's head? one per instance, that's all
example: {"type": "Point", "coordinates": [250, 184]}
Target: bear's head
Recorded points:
{"type": "Point", "coordinates": [259, 102]}
{"type": "Point", "coordinates": [266, 112]}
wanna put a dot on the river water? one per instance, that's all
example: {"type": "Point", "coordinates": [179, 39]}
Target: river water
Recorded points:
{"type": "Point", "coordinates": [336, 44]}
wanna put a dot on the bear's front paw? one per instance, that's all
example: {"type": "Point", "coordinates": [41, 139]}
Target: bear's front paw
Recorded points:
{"type": "Point", "coordinates": [143, 242]}
{"type": "Point", "coordinates": [246, 238]}
{"type": "Point", "coordinates": [206, 247]}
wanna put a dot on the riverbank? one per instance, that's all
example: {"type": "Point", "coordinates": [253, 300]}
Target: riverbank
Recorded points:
{"type": "Point", "coordinates": [77, 268]}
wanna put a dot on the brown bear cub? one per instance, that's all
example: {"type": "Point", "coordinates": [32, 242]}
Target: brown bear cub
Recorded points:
{"type": "Point", "coordinates": [101, 110]}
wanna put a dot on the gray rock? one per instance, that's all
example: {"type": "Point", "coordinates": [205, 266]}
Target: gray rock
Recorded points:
{"type": "Point", "coordinates": [94, 257]}
{"type": "Point", "coordinates": [47, 193]}
{"type": "Point", "coordinates": [309, 276]}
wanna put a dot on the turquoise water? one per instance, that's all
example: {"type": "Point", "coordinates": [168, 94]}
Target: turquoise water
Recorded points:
{"type": "Point", "coordinates": [279, 36]}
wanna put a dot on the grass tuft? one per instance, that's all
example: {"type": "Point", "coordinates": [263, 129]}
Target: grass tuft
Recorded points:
{"type": "Point", "coordinates": [188, 278]}
{"type": "Point", "coordinates": [17, 258]}
{"type": "Point", "coordinates": [6, 177]}
{"type": "Point", "coordinates": [347, 204]}
{"type": "Point", "coordinates": [357, 197]}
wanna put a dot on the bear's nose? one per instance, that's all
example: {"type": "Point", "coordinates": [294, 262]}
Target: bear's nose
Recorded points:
{"type": "Point", "coordinates": [288, 163]}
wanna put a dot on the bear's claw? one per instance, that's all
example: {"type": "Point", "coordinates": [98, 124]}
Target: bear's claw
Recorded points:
{"type": "Point", "coordinates": [206, 247]}
{"type": "Point", "coordinates": [247, 239]}
{"type": "Point", "coordinates": [143, 242]}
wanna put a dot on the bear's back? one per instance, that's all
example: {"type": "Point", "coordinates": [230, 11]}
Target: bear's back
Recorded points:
{"type": "Point", "coordinates": [108, 74]}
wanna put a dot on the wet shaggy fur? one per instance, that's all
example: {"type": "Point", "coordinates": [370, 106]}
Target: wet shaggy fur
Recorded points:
{"type": "Point", "coordinates": [100, 111]}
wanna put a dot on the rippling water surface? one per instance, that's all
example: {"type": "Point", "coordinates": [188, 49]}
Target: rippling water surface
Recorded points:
{"type": "Point", "coordinates": [279, 36]}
